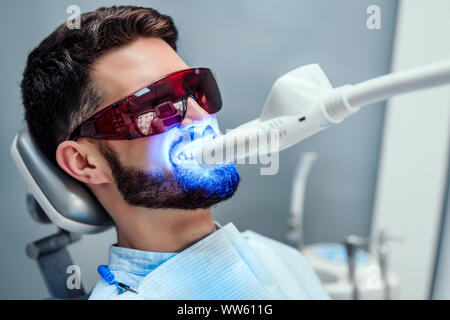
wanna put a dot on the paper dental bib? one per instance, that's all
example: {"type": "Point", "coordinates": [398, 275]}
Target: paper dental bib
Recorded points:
{"type": "Point", "coordinates": [220, 266]}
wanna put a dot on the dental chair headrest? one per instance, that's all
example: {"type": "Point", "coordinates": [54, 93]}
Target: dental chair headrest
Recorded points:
{"type": "Point", "coordinates": [68, 203]}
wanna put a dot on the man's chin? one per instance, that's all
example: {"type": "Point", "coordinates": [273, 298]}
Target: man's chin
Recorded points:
{"type": "Point", "coordinates": [215, 183]}
{"type": "Point", "coordinates": [184, 186]}
{"type": "Point", "coordinates": [211, 185]}
{"type": "Point", "coordinates": [187, 187]}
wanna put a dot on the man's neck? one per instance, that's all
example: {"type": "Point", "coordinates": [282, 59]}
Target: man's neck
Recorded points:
{"type": "Point", "coordinates": [156, 230]}
{"type": "Point", "coordinates": [163, 230]}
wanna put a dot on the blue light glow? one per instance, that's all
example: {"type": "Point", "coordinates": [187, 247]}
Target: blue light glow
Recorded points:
{"type": "Point", "coordinates": [217, 181]}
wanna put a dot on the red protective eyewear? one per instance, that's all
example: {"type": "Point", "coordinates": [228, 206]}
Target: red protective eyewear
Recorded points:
{"type": "Point", "coordinates": [155, 108]}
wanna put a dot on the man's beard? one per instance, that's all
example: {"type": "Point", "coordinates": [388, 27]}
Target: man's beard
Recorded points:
{"type": "Point", "coordinates": [186, 187]}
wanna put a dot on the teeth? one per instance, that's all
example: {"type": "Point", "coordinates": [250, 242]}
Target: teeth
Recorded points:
{"type": "Point", "coordinates": [185, 156]}
{"type": "Point", "coordinates": [185, 143]}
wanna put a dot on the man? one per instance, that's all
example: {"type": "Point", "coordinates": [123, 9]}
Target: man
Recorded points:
{"type": "Point", "coordinates": [113, 105]}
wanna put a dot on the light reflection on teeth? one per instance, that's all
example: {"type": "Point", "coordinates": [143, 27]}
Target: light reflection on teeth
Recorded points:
{"type": "Point", "coordinates": [185, 156]}
{"type": "Point", "coordinates": [183, 152]}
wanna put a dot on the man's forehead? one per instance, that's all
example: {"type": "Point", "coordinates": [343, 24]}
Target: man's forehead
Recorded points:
{"type": "Point", "coordinates": [127, 69]}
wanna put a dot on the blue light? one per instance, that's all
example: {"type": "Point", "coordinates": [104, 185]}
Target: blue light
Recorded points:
{"type": "Point", "coordinates": [218, 181]}
{"type": "Point", "coordinates": [185, 138]}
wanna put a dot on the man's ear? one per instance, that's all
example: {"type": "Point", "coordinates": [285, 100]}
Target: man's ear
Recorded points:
{"type": "Point", "coordinates": [83, 162]}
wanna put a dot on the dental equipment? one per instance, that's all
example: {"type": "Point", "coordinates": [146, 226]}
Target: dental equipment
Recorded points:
{"type": "Point", "coordinates": [56, 197]}
{"type": "Point", "coordinates": [352, 243]}
{"type": "Point", "coordinates": [383, 248]}
{"type": "Point", "coordinates": [348, 271]}
{"type": "Point", "coordinates": [295, 220]}
{"type": "Point", "coordinates": [303, 102]}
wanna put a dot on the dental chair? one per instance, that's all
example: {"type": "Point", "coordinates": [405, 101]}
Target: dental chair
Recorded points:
{"type": "Point", "coordinates": [55, 197]}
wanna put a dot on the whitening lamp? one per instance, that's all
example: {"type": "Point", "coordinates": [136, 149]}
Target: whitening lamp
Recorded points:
{"type": "Point", "coordinates": [303, 102]}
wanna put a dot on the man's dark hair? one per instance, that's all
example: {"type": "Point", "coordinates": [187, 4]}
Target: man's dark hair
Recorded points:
{"type": "Point", "coordinates": [57, 88]}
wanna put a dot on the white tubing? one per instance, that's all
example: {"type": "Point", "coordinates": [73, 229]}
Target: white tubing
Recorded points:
{"type": "Point", "coordinates": [330, 108]}
{"type": "Point", "coordinates": [386, 86]}
{"type": "Point", "coordinates": [299, 184]}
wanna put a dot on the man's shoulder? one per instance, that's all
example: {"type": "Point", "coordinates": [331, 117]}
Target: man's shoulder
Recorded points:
{"type": "Point", "coordinates": [285, 263]}
{"type": "Point", "coordinates": [102, 291]}
{"type": "Point", "coordinates": [288, 266]}
{"type": "Point", "coordinates": [256, 239]}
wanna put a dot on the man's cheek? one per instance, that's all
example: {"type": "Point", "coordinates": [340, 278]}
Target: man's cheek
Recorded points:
{"type": "Point", "coordinates": [157, 152]}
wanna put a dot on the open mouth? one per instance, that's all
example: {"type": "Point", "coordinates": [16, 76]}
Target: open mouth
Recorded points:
{"type": "Point", "coordinates": [182, 150]}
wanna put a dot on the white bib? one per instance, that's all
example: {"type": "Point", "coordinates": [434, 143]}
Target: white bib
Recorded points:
{"type": "Point", "coordinates": [220, 266]}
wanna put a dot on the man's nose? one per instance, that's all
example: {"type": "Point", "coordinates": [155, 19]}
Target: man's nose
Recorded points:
{"type": "Point", "coordinates": [194, 113]}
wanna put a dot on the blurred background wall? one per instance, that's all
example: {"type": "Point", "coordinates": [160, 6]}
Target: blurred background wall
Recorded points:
{"type": "Point", "coordinates": [414, 159]}
{"type": "Point", "coordinates": [249, 44]}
